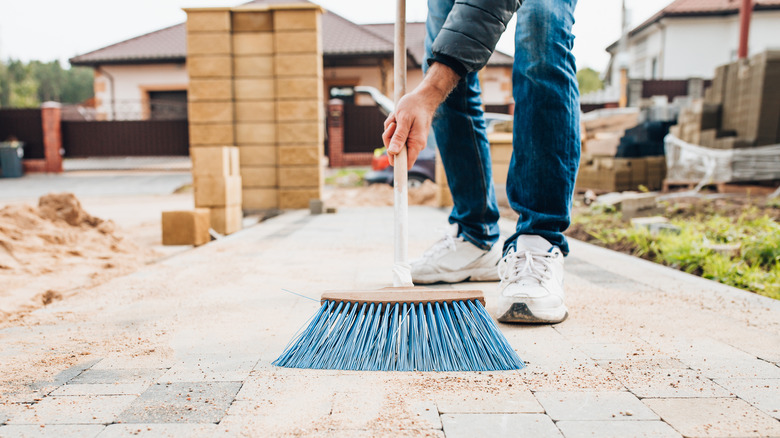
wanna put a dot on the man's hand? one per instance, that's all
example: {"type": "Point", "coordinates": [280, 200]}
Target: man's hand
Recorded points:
{"type": "Point", "coordinates": [410, 123]}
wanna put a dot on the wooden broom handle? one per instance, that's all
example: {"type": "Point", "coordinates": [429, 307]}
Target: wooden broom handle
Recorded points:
{"type": "Point", "coordinates": [401, 273]}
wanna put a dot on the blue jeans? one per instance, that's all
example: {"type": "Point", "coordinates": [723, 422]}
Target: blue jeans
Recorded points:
{"type": "Point", "coordinates": [546, 144]}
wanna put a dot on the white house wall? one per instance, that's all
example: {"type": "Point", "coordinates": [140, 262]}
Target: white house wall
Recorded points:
{"type": "Point", "coordinates": [131, 84]}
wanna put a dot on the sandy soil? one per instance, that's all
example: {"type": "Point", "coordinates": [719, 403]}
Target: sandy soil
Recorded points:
{"type": "Point", "coordinates": [377, 195]}
{"type": "Point", "coordinates": [49, 251]}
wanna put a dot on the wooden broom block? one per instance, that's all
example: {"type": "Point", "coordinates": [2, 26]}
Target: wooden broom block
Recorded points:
{"type": "Point", "coordinates": [405, 295]}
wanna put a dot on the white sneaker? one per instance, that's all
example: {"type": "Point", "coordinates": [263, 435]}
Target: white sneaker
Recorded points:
{"type": "Point", "coordinates": [454, 259]}
{"type": "Point", "coordinates": [531, 283]}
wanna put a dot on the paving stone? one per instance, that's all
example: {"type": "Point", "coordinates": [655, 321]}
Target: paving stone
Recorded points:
{"type": "Point", "coordinates": [619, 351]}
{"type": "Point", "coordinates": [368, 409]}
{"type": "Point", "coordinates": [126, 361]}
{"type": "Point", "coordinates": [119, 375]}
{"type": "Point", "coordinates": [63, 376]}
{"type": "Point", "coordinates": [616, 429]}
{"type": "Point", "coordinates": [654, 382]}
{"type": "Point", "coordinates": [512, 401]}
{"type": "Point", "coordinates": [561, 405]}
{"type": "Point", "coordinates": [233, 368]}
{"type": "Point", "coordinates": [499, 425]}
{"type": "Point", "coordinates": [51, 430]}
{"type": "Point", "coordinates": [583, 377]}
{"type": "Point", "coordinates": [182, 402]}
{"type": "Point", "coordinates": [73, 410]}
{"type": "Point", "coordinates": [761, 393]}
{"type": "Point", "coordinates": [718, 360]}
{"type": "Point", "coordinates": [158, 430]}
{"type": "Point", "coordinates": [714, 417]}
{"type": "Point", "coordinates": [76, 389]}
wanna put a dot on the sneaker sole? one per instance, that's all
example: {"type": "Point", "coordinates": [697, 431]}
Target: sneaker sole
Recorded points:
{"type": "Point", "coordinates": [520, 313]}
{"type": "Point", "coordinates": [488, 274]}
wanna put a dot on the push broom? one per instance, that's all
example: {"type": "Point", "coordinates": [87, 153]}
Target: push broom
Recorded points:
{"type": "Point", "coordinates": [401, 328]}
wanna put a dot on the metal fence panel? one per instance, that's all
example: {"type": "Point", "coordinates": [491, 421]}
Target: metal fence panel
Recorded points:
{"type": "Point", "coordinates": [125, 138]}
{"type": "Point", "coordinates": [26, 126]}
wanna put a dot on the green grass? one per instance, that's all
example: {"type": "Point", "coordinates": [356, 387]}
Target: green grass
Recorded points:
{"type": "Point", "coordinates": [346, 177]}
{"type": "Point", "coordinates": [754, 266]}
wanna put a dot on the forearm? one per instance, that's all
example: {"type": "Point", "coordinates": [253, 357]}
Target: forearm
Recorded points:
{"type": "Point", "coordinates": [437, 84]}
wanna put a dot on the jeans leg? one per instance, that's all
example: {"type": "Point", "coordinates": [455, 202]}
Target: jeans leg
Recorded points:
{"type": "Point", "coordinates": [546, 146]}
{"type": "Point", "coordinates": [459, 128]}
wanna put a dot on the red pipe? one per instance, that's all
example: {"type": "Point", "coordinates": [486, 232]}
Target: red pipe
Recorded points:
{"type": "Point", "coordinates": [745, 9]}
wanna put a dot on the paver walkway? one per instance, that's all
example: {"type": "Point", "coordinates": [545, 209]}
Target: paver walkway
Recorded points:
{"type": "Point", "coordinates": [183, 348]}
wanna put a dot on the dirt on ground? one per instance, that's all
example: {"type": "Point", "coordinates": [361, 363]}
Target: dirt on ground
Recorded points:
{"type": "Point", "coordinates": [378, 195]}
{"type": "Point", "coordinates": [38, 244]}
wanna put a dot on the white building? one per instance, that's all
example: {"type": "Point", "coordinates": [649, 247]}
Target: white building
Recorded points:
{"type": "Point", "coordinates": [689, 38]}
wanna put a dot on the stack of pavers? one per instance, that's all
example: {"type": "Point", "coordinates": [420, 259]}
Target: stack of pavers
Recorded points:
{"type": "Point", "coordinates": [740, 111]}
{"type": "Point", "coordinates": [217, 185]}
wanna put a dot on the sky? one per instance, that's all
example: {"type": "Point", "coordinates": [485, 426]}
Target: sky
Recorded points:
{"type": "Point", "coordinates": [59, 29]}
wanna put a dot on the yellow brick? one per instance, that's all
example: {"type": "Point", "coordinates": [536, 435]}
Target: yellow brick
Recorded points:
{"type": "Point", "coordinates": [226, 220]}
{"type": "Point", "coordinates": [301, 110]}
{"type": "Point", "coordinates": [253, 66]}
{"type": "Point", "coordinates": [210, 89]}
{"type": "Point", "coordinates": [211, 112]}
{"type": "Point", "coordinates": [211, 134]}
{"type": "Point", "coordinates": [298, 42]}
{"type": "Point", "coordinates": [260, 199]}
{"type": "Point", "coordinates": [306, 19]}
{"type": "Point", "coordinates": [217, 191]}
{"type": "Point", "coordinates": [500, 172]}
{"type": "Point", "coordinates": [297, 198]}
{"type": "Point", "coordinates": [305, 176]}
{"type": "Point", "coordinates": [255, 133]}
{"type": "Point", "coordinates": [185, 227]}
{"type": "Point", "coordinates": [258, 176]}
{"type": "Point", "coordinates": [298, 65]}
{"type": "Point", "coordinates": [257, 155]}
{"type": "Point", "coordinates": [216, 161]}
{"type": "Point", "coordinates": [299, 88]}
{"type": "Point", "coordinates": [235, 161]}
{"type": "Point", "coordinates": [252, 21]}
{"type": "Point", "coordinates": [255, 111]}
{"type": "Point", "coordinates": [210, 66]}
{"type": "Point", "coordinates": [208, 43]}
{"type": "Point", "coordinates": [253, 43]}
{"type": "Point", "coordinates": [300, 132]}
{"type": "Point", "coordinates": [208, 21]}
{"type": "Point", "coordinates": [501, 153]}
{"type": "Point", "coordinates": [297, 155]}
{"type": "Point", "coordinates": [255, 88]}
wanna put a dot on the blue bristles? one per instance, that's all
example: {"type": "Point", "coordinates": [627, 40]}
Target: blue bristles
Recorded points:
{"type": "Point", "coordinates": [454, 336]}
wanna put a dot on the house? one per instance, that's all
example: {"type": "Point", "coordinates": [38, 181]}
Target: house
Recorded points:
{"type": "Point", "coordinates": [689, 38]}
{"type": "Point", "coordinates": [146, 77]}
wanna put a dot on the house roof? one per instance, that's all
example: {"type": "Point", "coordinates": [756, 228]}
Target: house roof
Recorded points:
{"type": "Point", "coordinates": [699, 8]}
{"type": "Point", "coordinates": [415, 41]}
{"type": "Point", "coordinates": [340, 37]}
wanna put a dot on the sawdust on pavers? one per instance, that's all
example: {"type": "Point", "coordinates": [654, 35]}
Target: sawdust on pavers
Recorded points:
{"type": "Point", "coordinates": [714, 417]}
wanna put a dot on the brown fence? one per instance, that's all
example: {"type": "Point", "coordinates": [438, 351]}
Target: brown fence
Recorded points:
{"type": "Point", "coordinates": [25, 125]}
{"type": "Point", "coordinates": [125, 138]}
{"type": "Point", "coordinates": [363, 126]}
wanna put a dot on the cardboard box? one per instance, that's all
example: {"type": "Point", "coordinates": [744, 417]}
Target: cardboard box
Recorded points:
{"type": "Point", "coordinates": [189, 227]}
{"type": "Point", "coordinates": [226, 220]}
{"type": "Point", "coordinates": [217, 191]}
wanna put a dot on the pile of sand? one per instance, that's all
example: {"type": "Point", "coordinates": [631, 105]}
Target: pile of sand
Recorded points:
{"type": "Point", "coordinates": [379, 195]}
{"type": "Point", "coordinates": [52, 250]}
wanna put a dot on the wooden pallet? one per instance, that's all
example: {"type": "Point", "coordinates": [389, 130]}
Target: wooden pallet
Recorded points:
{"type": "Point", "coordinates": [735, 188]}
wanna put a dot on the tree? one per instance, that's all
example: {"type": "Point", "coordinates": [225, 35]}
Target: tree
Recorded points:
{"type": "Point", "coordinates": [27, 85]}
{"type": "Point", "coordinates": [589, 80]}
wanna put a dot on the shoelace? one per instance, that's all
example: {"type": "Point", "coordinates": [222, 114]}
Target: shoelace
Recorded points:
{"type": "Point", "coordinates": [447, 242]}
{"type": "Point", "coordinates": [524, 264]}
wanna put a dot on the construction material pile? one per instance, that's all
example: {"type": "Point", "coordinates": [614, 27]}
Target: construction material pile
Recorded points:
{"type": "Point", "coordinates": [736, 127]}
{"type": "Point", "coordinates": [49, 251]}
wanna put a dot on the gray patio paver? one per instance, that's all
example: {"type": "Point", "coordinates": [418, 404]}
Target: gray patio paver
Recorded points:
{"type": "Point", "coordinates": [616, 429]}
{"type": "Point", "coordinates": [77, 389]}
{"type": "Point", "coordinates": [649, 381]}
{"type": "Point", "coordinates": [499, 425]}
{"type": "Point", "coordinates": [73, 410]}
{"type": "Point", "coordinates": [561, 405]}
{"type": "Point", "coordinates": [51, 430]}
{"type": "Point", "coordinates": [158, 430]}
{"type": "Point", "coordinates": [510, 401]}
{"type": "Point", "coordinates": [714, 417]}
{"type": "Point", "coordinates": [119, 375]}
{"type": "Point", "coordinates": [182, 402]}
{"type": "Point", "coordinates": [761, 393]}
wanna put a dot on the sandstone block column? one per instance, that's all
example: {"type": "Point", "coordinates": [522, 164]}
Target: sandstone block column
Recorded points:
{"type": "Point", "coordinates": [299, 106]}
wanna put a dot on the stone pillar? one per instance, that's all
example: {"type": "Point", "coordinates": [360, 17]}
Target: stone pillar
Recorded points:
{"type": "Point", "coordinates": [51, 118]}
{"type": "Point", "coordinates": [336, 132]}
{"type": "Point", "coordinates": [299, 109]}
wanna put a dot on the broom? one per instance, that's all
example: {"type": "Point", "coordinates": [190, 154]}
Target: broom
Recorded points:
{"type": "Point", "coordinates": [402, 328]}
